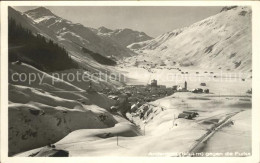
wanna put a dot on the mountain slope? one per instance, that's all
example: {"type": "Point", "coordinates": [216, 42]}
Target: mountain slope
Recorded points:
{"type": "Point", "coordinates": [35, 50]}
{"type": "Point", "coordinates": [40, 114]}
{"type": "Point", "coordinates": [221, 41]}
{"type": "Point", "coordinates": [123, 37]}
{"type": "Point", "coordinates": [72, 34]}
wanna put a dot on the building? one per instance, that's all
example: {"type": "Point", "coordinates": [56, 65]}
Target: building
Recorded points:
{"type": "Point", "coordinates": [206, 90]}
{"type": "Point", "coordinates": [185, 116]}
{"type": "Point", "coordinates": [179, 88]}
{"type": "Point", "coordinates": [185, 85]}
{"type": "Point", "coordinates": [154, 83]}
{"type": "Point", "coordinates": [175, 87]}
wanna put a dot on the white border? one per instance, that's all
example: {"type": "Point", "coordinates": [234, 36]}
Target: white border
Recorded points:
{"type": "Point", "coordinates": [256, 80]}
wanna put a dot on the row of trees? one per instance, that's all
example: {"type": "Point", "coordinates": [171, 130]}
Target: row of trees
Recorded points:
{"type": "Point", "coordinates": [99, 58]}
{"type": "Point", "coordinates": [36, 50]}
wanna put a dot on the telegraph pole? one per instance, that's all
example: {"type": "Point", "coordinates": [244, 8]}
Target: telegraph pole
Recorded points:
{"type": "Point", "coordinates": [173, 120]}
{"type": "Point", "coordinates": [117, 139]}
{"type": "Point", "coordinates": [144, 126]}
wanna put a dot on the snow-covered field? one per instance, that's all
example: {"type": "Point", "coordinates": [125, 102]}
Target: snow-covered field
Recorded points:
{"type": "Point", "coordinates": [160, 136]}
{"type": "Point", "coordinates": [215, 51]}
{"type": "Point", "coordinates": [160, 132]}
{"type": "Point", "coordinates": [235, 139]}
{"type": "Point", "coordinates": [225, 82]}
{"type": "Point", "coordinates": [41, 112]}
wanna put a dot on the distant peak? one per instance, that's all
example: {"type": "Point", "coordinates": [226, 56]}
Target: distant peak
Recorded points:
{"type": "Point", "coordinates": [127, 29]}
{"type": "Point", "coordinates": [226, 8]}
{"type": "Point", "coordinates": [40, 11]}
{"type": "Point", "coordinates": [102, 27]}
{"type": "Point", "coordinates": [104, 30]}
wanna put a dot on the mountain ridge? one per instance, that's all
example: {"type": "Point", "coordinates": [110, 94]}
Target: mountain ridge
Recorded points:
{"type": "Point", "coordinates": [219, 41]}
{"type": "Point", "coordinates": [66, 32]}
{"type": "Point", "coordinates": [123, 36]}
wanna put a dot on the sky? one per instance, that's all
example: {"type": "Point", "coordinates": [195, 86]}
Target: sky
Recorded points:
{"type": "Point", "coordinates": [154, 21]}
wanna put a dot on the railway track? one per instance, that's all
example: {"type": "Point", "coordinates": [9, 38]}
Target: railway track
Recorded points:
{"type": "Point", "coordinates": [196, 147]}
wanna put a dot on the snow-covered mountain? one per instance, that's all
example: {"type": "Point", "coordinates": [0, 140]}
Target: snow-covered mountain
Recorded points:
{"type": "Point", "coordinates": [221, 41]}
{"type": "Point", "coordinates": [123, 37]}
{"type": "Point", "coordinates": [102, 40]}
{"type": "Point", "coordinates": [76, 115]}
{"type": "Point", "coordinates": [72, 44]}
{"type": "Point", "coordinates": [75, 35]}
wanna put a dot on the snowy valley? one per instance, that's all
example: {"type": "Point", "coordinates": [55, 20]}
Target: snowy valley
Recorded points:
{"type": "Point", "coordinates": [187, 92]}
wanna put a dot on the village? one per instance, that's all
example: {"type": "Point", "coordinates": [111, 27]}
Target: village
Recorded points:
{"type": "Point", "coordinates": [128, 81]}
{"type": "Point", "coordinates": [131, 97]}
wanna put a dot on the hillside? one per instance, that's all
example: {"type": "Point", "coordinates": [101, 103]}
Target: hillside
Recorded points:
{"type": "Point", "coordinates": [100, 92]}
{"type": "Point", "coordinates": [48, 108]}
{"type": "Point", "coordinates": [99, 58]}
{"type": "Point", "coordinates": [73, 34]}
{"type": "Point", "coordinates": [36, 50]}
{"type": "Point", "coordinates": [74, 48]}
{"type": "Point", "coordinates": [222, 41]}
{"type": "Point", "coordinates": [43, 112]}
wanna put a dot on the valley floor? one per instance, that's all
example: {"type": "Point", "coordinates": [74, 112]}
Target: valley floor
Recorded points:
{"type": "Point", "coordinates": [223, 124]}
